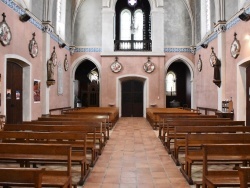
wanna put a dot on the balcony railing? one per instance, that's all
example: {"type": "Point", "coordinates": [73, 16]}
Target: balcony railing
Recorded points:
{"type": "Point", "coordinates": [133, 45]}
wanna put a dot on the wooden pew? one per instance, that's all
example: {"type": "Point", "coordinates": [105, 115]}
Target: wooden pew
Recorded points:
{"type": "Point", "coordinates": [154, 115]}
{"type": "Point", "coordinates": [168, 131]}
{"type": "Point", "coordinates": [165, 119]}
{"type": "Point", "coordinates": [113, 112]}
{"type": "Point", "coordinates": [223, 153]}
{"type": "Point", "coordinates": [194, 142]}
{"type": "Point", "coordinates": [76, 140]}
{"type": "Point", "coordinates": [181, 131]}
{"type": "Point", "coordinates": [41, 152]}
{"type": "Point", "coordinates": [100, 128]}
{"type": "Point", "coordinates": [21, 177]}
{"type": "Point", "coordinates": [90, 131]}
{"type": "Point", "coordinates": [244, 176]}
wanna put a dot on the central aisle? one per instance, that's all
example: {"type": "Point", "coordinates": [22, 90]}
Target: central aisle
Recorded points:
{"type": "Point", "coordinates": [135, 158]}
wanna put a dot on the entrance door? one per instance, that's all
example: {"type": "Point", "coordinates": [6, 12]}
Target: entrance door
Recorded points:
{"type": "Point", "coordinates": [132, 98]}
{"type": "Point", "coordinates": [14, 102]}
{"type": "Point", "coordinates": [248, 96]}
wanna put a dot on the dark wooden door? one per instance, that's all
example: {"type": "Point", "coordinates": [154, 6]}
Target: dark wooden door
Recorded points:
{"type": "Point", "coordinates": [132, 98]}
{"type": "Point", "coordinates": [14, 87]}
{"type": "Point", "coordinates": [248, 96]}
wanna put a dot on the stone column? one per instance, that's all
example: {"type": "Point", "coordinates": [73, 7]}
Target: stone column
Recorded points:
{"type": "Point", "coordinates": [47, 30]}
{"type": "Point", "coordinates": [220, 29]}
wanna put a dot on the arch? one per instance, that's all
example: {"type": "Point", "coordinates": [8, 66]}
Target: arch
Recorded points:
{"type": "Point", "coordinates": [241, 89]}
{"type": "Point", "coordinates": [73, 68]}
{"type": "Point", "coordinates": [190, 66]}
{"type": "Point", "coordinates": [27, 84]}
{"type": "Point", "coordinates": [119, 81]}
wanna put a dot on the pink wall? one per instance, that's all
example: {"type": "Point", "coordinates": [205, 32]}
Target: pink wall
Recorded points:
{"type": "Point", "coordinates": [21, 35]}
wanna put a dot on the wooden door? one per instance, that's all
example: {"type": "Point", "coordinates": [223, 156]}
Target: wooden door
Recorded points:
{"type": "Point", "coordinates": [132, 98]}
{"type": "Point", "coordinates": [14, 95]}
{"type": "Point", "coordinates": [248, 96]}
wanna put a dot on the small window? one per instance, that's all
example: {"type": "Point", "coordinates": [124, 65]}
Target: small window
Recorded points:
{"type": "Point", "coordinates": [61, 12]}
{"type": "Point", "coordinates": [171, 84]}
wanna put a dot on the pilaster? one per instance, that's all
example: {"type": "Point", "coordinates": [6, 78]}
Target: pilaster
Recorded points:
{"type": "Point", "coordinates": [46, 55]}
{"type": "Point", "coordinates": [220, 29]}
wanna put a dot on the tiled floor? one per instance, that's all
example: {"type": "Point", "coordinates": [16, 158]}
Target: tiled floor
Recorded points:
{"type": "Point", "coordinates": [135, 158]}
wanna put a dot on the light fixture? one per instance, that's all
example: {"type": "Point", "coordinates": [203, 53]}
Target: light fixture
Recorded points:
{"type": "Point", "coordinates": [244, 16]}
{"type": "Point", "coordinates": [24, 18]}
{"type": "Point", "coordinates": [204, 45]}
{"type": "Point", "coordinates": [62, 45]}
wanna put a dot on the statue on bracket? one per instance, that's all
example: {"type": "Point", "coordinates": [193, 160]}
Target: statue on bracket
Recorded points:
{"type": "Point", "coordinates": [51, 63]}
{"type": "Point", "coordinates": [215, 63]}
{"type": "Point", "coordinates": [5, 33]}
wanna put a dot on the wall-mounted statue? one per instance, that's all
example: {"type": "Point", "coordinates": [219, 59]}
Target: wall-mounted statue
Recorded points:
{"type": "Point", "coordinates": [51, 63]}
{"type": "Point", "coordinates": [215, 63]}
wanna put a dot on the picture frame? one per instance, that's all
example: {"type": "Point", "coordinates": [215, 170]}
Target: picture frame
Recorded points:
{"type": "Point", "coordinates": [37, 91]}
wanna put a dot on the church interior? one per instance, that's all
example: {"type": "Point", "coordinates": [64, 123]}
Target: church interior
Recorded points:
{"type": "Point", "coordinates": [136, 87]}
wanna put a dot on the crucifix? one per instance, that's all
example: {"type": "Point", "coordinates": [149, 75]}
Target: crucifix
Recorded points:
{"type": "Point", "coordinates": [132, 2]}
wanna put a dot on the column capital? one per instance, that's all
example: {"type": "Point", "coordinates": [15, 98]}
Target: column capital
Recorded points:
{"type": "Point", "coordinates": [47, 27]}
{"type": "Point", "coordinates": [220, 27]}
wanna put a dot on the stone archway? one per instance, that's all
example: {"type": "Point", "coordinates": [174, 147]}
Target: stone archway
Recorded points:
{"type": "Point", "coordinates": [190, 66]}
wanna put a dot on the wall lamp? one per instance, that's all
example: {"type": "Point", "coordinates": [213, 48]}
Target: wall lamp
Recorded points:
{"type": "Point", "coordinates": [24, 18]}
{"type": "Point", "coordinates": [204, 45]}
{"type": "Point", "coordinates": [62, 45]}
{"type": "Point", "coordinates": [244, 16]}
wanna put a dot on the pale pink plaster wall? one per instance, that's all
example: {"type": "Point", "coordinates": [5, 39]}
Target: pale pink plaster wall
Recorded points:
{"type": "Point", "coordinates": [133, 66]}
{"type": "Point", "coordinates": [21, 35]}
{"type": "Point", "coordinates": [206, 92]}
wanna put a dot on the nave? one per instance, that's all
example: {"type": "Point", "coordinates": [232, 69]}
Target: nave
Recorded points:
{"type": "Point", "coordinates": [134, 157]}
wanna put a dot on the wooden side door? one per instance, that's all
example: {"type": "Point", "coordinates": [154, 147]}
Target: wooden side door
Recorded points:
{"type": "Point", "coordinates": [132, 98]}
{"type": "Point", "coordinates": [14, 95]}
{"type": "Point", "coordinates": [248, 96]}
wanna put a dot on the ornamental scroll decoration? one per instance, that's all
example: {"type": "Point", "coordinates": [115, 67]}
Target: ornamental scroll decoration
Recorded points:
{"type": "Point", "coordinates": [33, 46]}
{"type": "Point", "coordinates": [235, 47]}
{"type": "Point", "coordinates": [5, 33]}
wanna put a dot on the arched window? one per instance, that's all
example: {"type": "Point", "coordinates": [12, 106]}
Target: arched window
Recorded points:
{"type": "Point", "coordinates": [205, 17]}
{"type": "Point", "coordinates": [61, 16]}
{"type": "Point", "coordinates": [132, 26]}
{"type": "Point", "coordinates": [125, 25]}
{"type": "Point", "coordinates": [171, 84]}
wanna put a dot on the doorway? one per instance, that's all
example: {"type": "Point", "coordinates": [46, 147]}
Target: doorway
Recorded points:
{"type": "Point", "coordinates": [248, 96]}
{"type": "Point", "coordinates": [132, 98]}
{"type": "Point", "coordinates": [14, 94]}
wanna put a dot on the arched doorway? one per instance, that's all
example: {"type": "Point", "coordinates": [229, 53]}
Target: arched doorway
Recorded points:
{"type": "Point", "coordinates": [14, 88]}
{"type": "Point", "coordinates": [248, 96]}
{"type": "Point", "coordinates": [179, 94]}
{"type": "Point", "coordinates": [132, 98]}
{"type": "Point", "coordinates": [86, 85]}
